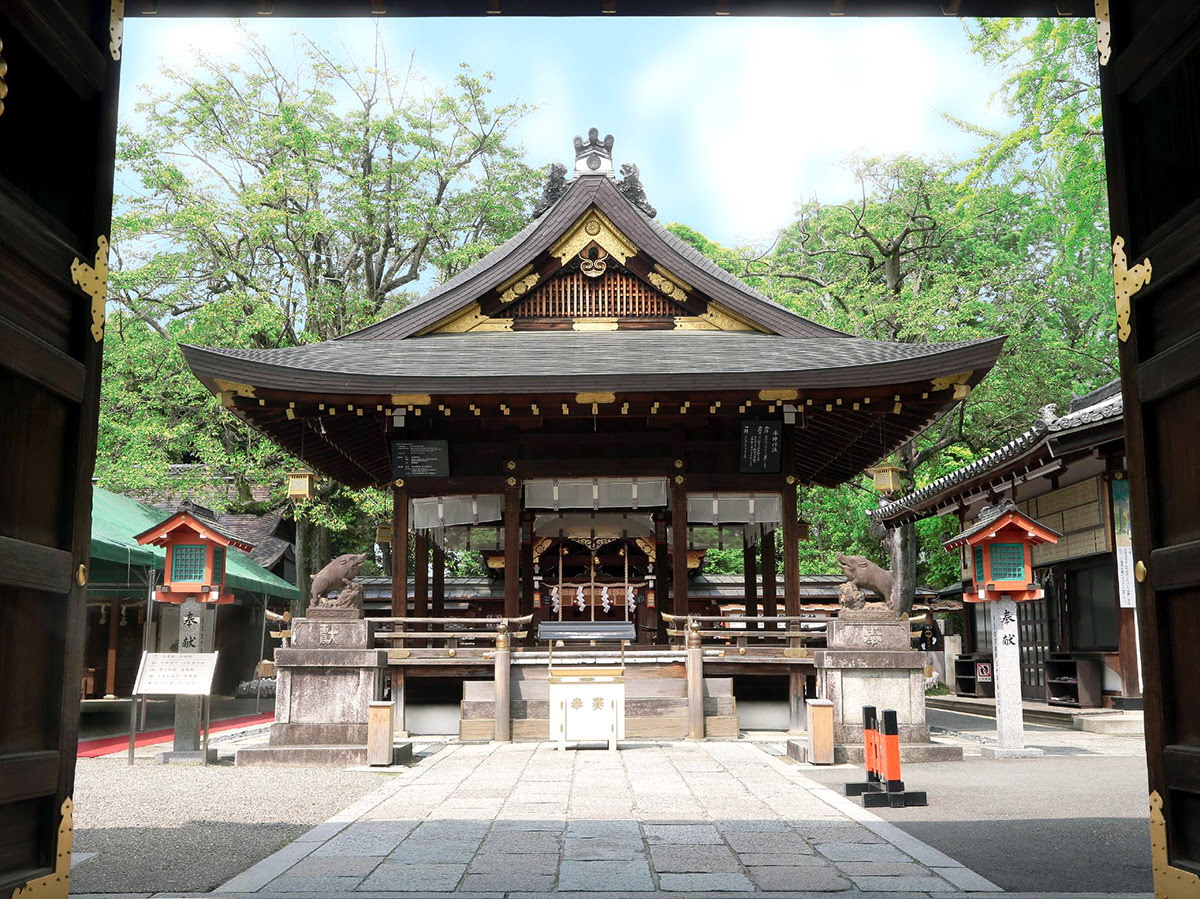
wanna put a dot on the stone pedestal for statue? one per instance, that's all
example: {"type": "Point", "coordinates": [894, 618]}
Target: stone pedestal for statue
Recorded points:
{"type": "Point", "coordinates": [869, 660]}
{"type": "Point", "coordinates": [1006, 669]}
{"type": "Point", "coordinates": [325, 684]}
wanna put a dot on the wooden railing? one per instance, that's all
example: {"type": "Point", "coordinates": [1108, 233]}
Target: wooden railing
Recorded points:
{"type": "Point", "coordinates": [451, 633]}
{"type": "Point", "coordinates": [746, 630]}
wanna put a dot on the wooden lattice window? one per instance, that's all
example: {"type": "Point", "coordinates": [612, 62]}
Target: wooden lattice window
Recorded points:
{"type": "Point", "coordinates": [614, 294]}
{"type": "Point", "coordinates": [218, 564]}
{"type": "Point", "coordinates": [187, 563]}
{"type": "Point", "coordinates": [1008, 562]}
{"type": "Point", "coordinates": [979, 564]}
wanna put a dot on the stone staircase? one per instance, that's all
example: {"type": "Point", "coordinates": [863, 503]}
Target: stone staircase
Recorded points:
{"type": "Point", "coordinates": [655, 701]}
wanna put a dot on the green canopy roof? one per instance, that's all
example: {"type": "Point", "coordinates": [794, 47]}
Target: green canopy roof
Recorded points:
{"type": "Point", "coordinates": [117, 519]}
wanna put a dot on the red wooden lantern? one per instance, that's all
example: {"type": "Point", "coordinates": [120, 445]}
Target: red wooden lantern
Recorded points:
{"type": "Point", "coordinates": [1000, 545]}
{"type": "Point", "coordinates": [196, 557]}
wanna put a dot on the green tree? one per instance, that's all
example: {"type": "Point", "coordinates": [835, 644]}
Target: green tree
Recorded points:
{"type": "Point", "coordinates": [259, 207]}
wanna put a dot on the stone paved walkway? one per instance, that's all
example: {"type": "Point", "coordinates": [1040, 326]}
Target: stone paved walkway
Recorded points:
{"type": "Point", "coordinates": [495, 819]}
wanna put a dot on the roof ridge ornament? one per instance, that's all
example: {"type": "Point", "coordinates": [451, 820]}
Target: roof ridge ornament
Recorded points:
{"type": "Point", "coordinates": [594, 157]}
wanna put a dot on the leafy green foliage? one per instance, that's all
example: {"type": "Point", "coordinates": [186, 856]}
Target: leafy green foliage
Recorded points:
{"type": "Point", "coordinates": [262, 208]}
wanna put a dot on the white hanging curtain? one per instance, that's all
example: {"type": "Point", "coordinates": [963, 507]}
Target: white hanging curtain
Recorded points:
{"type": "Point", "coordinates": [758, 511]}
{"type": "Point", "coordinates": [447, 511]}
{"type": "Point", "coordinates": [595, 493]}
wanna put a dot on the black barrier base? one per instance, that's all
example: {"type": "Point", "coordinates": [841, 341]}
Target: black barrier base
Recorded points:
{"type": "Point", "coordinates": [900, 799]}
{"type": "Point", "coordinates": [862, 786]}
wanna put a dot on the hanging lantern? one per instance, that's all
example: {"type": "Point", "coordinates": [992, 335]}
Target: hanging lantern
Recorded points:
{"type": "Point", "coordinates": [300, 485]}
{"type": "Point", "coordinates": [383, 532]}
{"type": "Point", "coordinates": [650, 598]}
{"type": "Point", "coordinates": [537, 597]}
{"type": "Point", "coordinates": [801, 529]}
{"type": "Point", "coordinates": [886, 478]}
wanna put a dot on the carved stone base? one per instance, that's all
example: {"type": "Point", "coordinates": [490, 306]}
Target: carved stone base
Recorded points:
{"type": "Point", "coordinates": [870, 630]}
{"type": "Point", "coordinates": [886, 679]}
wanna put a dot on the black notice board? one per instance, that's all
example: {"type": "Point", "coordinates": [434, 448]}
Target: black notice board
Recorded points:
{"type": "Point", "coordinates": [420, 459]}
{"type": "Point", "coordinates": [762, 447]}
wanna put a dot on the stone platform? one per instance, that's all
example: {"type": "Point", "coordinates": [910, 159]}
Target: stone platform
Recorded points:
{"type": "Point", "coordinates": [849, 753]}
{"type": "Point", "coordinates": [337, 756]}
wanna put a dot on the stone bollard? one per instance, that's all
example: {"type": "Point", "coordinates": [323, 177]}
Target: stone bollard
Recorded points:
{"type": "Point", "coordinates": [502, 708]}
{"type": "Point", "coordinates": [695, 681]}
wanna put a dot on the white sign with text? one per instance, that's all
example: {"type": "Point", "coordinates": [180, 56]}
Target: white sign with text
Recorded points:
{"type": "Point", "coordinates": [174, 673]}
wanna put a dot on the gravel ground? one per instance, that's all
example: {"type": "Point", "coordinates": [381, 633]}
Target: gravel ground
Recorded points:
{"type": "Point", "coordinates": [190, 828]}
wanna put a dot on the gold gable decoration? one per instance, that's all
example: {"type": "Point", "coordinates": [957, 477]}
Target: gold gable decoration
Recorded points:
{"type": "Point", "coordinates": [716, 318]}
{"type": "Point", "coordinates": [595, 226]}
{"type": "Point", "coordinates": [470, 319]}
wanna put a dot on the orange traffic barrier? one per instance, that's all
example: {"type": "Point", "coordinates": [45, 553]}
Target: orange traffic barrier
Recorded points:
{"type": "Point", "coordinates": [881, 758]}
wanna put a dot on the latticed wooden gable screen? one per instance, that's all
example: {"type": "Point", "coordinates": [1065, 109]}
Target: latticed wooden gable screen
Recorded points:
{"type": "Point", "coordinates": [612, 295]}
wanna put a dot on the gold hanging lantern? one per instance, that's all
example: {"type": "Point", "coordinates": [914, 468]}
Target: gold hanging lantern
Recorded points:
{"type": "Point", "coordinates": [383, 532]}
{"type": "Point", "coordinates": [300, 484]}
{"type": "Point", "coordinates": [886, 478]}
{"type": "Point", "coordinates": [801, 529]}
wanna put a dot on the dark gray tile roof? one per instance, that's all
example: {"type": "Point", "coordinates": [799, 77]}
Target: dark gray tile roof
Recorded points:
{"type": "Point", "coordinates": [1101, 405]}
{"type": "Point", "coordinates": [499, 362]}
{"type": "Point", "coordinates": [986, 517]}
{"type": "Point", "coordinates": [536, 237]}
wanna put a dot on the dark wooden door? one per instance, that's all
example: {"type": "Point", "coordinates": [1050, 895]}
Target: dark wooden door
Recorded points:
{"type": "Point", "coordinates": [57, 133]}
{"type": "Point", "coordinates": [1034, 625]}
{"type": "Point", "coordinates": [1151, 88]}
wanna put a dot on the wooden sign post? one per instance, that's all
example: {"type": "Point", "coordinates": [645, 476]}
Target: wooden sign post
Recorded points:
{"type": "Point", "coordinates": [174, 674]}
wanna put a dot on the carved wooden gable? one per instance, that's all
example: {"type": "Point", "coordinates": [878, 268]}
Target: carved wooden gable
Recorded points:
{"type": "Point", "coordinates": [593, 278]}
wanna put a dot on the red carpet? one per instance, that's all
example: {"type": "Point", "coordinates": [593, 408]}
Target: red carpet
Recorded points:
{"type": "Point", "coordinates": [90, 749]}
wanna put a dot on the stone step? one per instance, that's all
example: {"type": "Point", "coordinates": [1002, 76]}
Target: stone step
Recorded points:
{"type": "Point", "coordinates": [538, 689]}
{"type": "Point", "coordinates": [472, 709]}
{"type": "Point", "coordinates": [641, 728]}
{"type": "Point", "coordinates": [1124, 723]}
{"type": "Point", "coordinates": [852, 753]}
{"type": "Point", "coordinates": [336, 756]}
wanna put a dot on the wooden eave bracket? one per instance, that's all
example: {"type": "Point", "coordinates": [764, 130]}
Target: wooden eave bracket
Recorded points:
{"type": "Point", "coordinates": [1103, 31]}
{"type": "Point", "coordinates": [93, 280]}
{"type": "Point", "coordinates": [57, 884]}
{"type": "Point", "coordinates": [1169, 882]}
{"type": "Point", "coordinates": [116, 28]}
{"type": "Point", "coordinates": [1126, 282]}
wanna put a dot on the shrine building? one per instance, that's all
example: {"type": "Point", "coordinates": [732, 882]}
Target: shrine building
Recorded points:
{"type": "Point", "coordinates": [593, 405]}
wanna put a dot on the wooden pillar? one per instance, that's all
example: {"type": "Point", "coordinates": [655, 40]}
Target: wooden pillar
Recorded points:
{"type": "Point", "coordinates": [527, 565]}
{"type": "Point", "coordinates": [750, 577]}
{"type": "Point", "coordinates": [110, 670]}
{"type": "Point", "coordinates": [769, 605]}
{"type": "Point", "coordinates": [679, 532]}
{"type": "Point", "coordinates": [791, 551]}
{"type": "Point", "coordinates": [399, 700]}
{"type": "Point", "coordinates": [439, 582]}
{"type": "Point", "coordinates": [512, 550]}
{"type": "Point", "coordinates": [399, 552]}
{"type": "Point", "coordinates": [420, 578]}
{"type": "Point", "coordinates": [796, 709]}
{"type": "Point", "coordinates": [661, 577]}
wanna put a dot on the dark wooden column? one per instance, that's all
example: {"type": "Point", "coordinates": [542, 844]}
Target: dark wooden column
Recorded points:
{"type": "Point", "coordinates": [512, 550]}
{"type": "Point", "coordinates": [770, 606]}
{"type": "Point", "coordinates": [439, 582]}
{"type": "Point", "coordinates": [791, 551]}
{"type": "Point", "coordinates": [679, 532]}
{"type": "Point", "coordinates": [750, 576]}
{"type": "Point", "coordinates": [527, 564]}
{"type": "Point", "coordinates": [399, 552]}
{"type": "Point", "coordinates": [661, 576]}
{"type": "Point", "coordinates": [110, 670]}
{"type": "Point", "coordinates": [420, 577]}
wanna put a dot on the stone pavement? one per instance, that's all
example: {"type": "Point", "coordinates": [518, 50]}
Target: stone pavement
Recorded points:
{"type": "Point", "coordinates": [678, 818]}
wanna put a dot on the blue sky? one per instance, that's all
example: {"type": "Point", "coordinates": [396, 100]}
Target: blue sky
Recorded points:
{"type": "Point", "coordinates": [731, 121]}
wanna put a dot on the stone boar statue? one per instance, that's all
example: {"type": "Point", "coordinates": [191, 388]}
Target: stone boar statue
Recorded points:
{"type": "Point", "coordinates": [349, 597]}
{"type": "Point", "coordinates": [866, 575]}
{"type": "Point", "coordinates": [338, 573]}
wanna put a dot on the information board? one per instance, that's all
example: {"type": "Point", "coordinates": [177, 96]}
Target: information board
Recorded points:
{"type": "Point", "coordinates": [420, 459]}
{"type": "Point", "coordinates": [762, 447]}
{"type": "Point", "coordinates": [175, 674]}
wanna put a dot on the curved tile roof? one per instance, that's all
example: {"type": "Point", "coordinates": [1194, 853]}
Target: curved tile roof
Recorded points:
{"type": "Point", "coordinates": [496, 362]}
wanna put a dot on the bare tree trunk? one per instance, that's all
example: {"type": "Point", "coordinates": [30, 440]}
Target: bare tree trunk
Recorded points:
{"type": "Point", "coordinates": [902, 551]}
